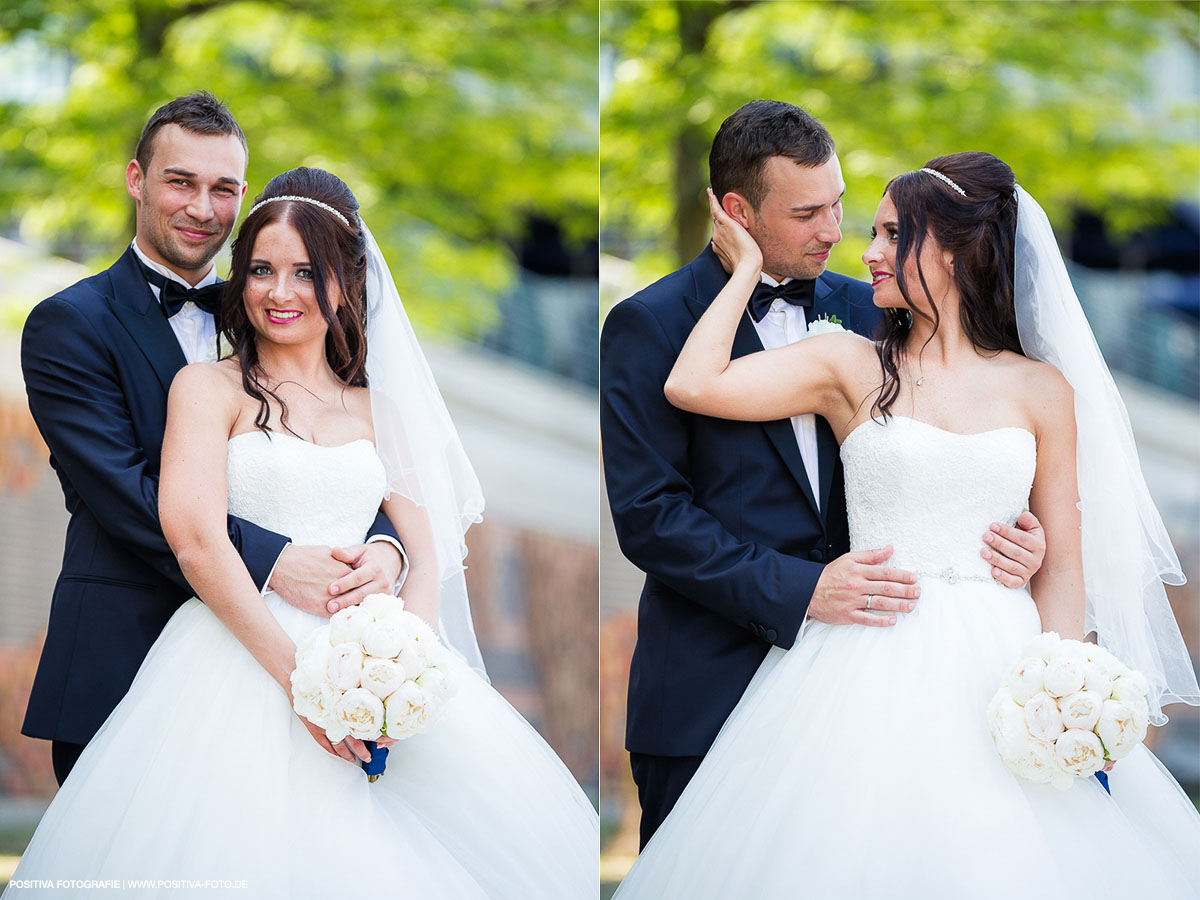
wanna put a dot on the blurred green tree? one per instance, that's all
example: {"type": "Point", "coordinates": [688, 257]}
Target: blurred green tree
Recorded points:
{"type": "Point", "coordinates": [1060, 91]}
{"type": "Point", "coordinates": [453, 120]}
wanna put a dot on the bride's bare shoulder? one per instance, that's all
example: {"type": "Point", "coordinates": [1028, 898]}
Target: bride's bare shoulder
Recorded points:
{"type": "Point", "coordinates": [206, 381]}
{"type": "Point", "coordinates": [1045, 392]}
{"type": "Point", "coordinates": [357, 401]}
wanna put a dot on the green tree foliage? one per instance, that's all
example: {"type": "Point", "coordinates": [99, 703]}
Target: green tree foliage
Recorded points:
{"type": "Point", "coordinates": [1059, 91]}
{"type": "Point", "coordinates": [451, 119]}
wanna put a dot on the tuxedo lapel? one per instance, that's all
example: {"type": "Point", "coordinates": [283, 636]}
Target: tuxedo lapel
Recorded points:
{"type": "Point", "coordinates": [709, 279]}
{"type": "Point", "coordinates": [828, 301]}
{"type": "Point", "coordinates": [135, 307]}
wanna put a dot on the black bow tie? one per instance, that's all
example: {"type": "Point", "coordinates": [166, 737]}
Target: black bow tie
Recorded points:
{"type": "Point", "coordinates": [795, 292]}
{"type": "Point", "coordinates": [173, 295]}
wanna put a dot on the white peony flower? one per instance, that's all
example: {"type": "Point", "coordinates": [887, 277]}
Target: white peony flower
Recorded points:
{"type": "Point", "coordinates": [318, 637]}
{"type": "Point", "coordinates": [408, 710]}
{"type": "Point", "coordinates": [385, 638]}
{"type": "Point", "coordinates": [1065, 675]}
{"type": "Point", "coordinates": [437, 684]}
{"type": "Point", "coordinates": [1042, 646]}
{"type": "Point", "coordinates": [320, 707]}
{"type": "Point", "coordinates": [1078, 752]}
{"type": "Point", "coordinates": [1141, 716]}
{"type": "Point", "coordinates": [336, 732]}
{"type": "Point", "coordinates": [316, 705]}
{"type": "Point", "coordinates": [361, 713]}
{"type": "Point", "coordinates": [1036, 762]}
{"type": "Point", "coordinates": [345, 666]}
{"type": "Point", "coordinates": [1120, 728]}
{"type": "Point", "coordinates": [312, 660]}
{"type": "Point", "coordinates": [382, 605]}
{"type": "Point", "coordinates": [1042, 717]}
{"type": "Point", "coordinates": [414, 658]}
{"type": "Point", "coordinates": [382, 676]}
{"type": "Point", "coordinates": [1102, 657]}
{"type": "Point", "coordinates": [1098, 678]}
{"type": "Point", "coordinates": [421, 630]}
{"type": "Point", "coordinates": [1068, 649]}
{"type": "Point", "coordinates": [1026, 677]}
{"type": "Point", "coordinates": [1130, 687]}
{"type": "Point", "coordinates": [1081, 709]}
{"type": "Point", "coordinates": [346, 625]}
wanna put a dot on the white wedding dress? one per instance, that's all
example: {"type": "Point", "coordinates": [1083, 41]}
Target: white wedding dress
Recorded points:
{"type": "Point", "coordinates": [205, 781]}
{"type": "Point", "coordinates": [859, 765]}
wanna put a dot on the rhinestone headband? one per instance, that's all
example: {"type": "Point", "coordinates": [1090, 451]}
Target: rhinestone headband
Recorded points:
{"type": "Point", "coordinates": [940, 177]}
{"type": "Point", "coordinates": [324, 206]}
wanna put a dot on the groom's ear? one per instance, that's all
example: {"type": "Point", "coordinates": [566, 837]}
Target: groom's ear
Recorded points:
{"type": "Point", "coordinates": [737, 208]}
{"type": "Point", "coordinates": [134, 179]}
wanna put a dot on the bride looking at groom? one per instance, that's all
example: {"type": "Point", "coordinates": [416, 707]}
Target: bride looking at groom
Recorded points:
{"type": "Point", "coordinates": [859, 763]}
{"type": "Point", "coordinates": [741, 527]}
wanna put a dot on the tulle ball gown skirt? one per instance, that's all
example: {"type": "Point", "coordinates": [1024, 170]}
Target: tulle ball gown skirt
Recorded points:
{"type": "Point", "coordinates": [204, 783]}
{"type": "Point", "coordinates": [859, 765]}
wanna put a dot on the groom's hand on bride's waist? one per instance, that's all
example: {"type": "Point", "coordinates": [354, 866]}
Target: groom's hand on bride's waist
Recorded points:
{"type": "Point", "coordinates": [1015, 551]}
{"type": "Point", "coordinates": [856, 589]}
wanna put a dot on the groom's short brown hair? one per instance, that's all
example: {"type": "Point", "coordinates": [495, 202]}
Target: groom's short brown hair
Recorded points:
{"type": "Point", "coordinates": [752, 135]}
{"type": "Point", "coordinates": [199, 112]}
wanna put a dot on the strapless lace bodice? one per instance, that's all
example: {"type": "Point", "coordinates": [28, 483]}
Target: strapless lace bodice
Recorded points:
{"type": "Point", "coordinates": [932, 494]}
{"type": "Point", "coordinates": [311, 493]}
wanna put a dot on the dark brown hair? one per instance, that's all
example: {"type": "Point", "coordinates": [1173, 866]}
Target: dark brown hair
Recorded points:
{"type": "Point", "coordinates": [199, 112]}
{"type": "Point", "coordinates": [752, 135]}
{"type": "Point", "coordinates": [980, 230]}
{"type": "Point", "coordinates": [337, 253]}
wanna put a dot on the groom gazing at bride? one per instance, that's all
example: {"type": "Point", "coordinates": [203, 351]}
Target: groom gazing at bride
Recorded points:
{"type": "Point", "coordinates": [741, 527]}
{"type": "Point", "coordinates": [98, 360]}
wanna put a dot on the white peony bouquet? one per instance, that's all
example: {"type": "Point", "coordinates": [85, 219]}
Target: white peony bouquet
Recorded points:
{"type": "Point", "coordinates": [374, 670]}
{"type": "Point", "coordinates": [1065, 709]}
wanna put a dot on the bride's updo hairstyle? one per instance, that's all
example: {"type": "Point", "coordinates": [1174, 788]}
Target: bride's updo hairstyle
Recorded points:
{"type": "Point", "coordinates": [333, 237]}
{"type": "Point", "coordinates": [979, 227]}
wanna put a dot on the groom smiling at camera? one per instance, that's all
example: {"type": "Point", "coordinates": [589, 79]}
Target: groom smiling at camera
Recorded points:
{"type": "Point", "coordinates": [98, 359]}
{"type": "Point", "coordinates": [741, 527]}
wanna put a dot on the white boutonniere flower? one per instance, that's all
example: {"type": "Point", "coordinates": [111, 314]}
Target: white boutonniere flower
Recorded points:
{"type": "Point", "coordinates": [825, 325]}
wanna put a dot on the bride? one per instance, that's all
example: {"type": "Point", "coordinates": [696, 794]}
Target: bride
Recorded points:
{"type": "Point", "coordinates": [859, 764]}
{"type": "Point", "coordinates": [203, 781]}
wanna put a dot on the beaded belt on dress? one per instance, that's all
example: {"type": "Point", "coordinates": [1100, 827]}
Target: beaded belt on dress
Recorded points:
{"type": "Point", "coordinates": [949, 575]}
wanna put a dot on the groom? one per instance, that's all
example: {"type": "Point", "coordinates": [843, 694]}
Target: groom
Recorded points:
{"type": "Point", "coordinates": [740, 527]}
{"type": "Point", "coordinates": [98, 359]}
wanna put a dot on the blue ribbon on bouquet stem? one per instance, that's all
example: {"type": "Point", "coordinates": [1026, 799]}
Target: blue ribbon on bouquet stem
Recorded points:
{"type": "Point", "coordinates": [378, 762]}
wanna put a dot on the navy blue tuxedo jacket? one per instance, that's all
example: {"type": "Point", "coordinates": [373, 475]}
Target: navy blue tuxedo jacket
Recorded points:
{"type": "Point", "coordinates": [98, 360]}
{"type": "Point", "coordinates": [720, 515]}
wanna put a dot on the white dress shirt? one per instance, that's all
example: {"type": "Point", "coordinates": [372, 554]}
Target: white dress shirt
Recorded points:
{"type": "Point", "coordinates": [195, 329]}
{"type": "Point", "coordinates": [782, 325]}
